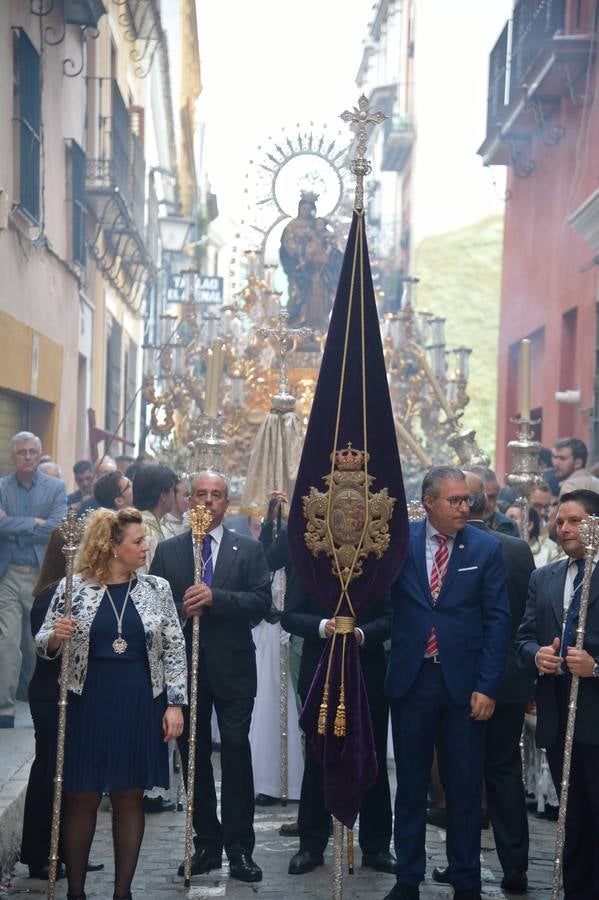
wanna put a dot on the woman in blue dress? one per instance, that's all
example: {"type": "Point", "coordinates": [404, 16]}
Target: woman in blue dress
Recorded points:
{"type": "Point", "coordinates": [127, 682]}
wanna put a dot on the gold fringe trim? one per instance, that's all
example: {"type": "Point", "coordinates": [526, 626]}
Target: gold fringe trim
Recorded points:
{"type": "Point", "coordinates": [324, 708]}
{"type": "Point", "coordinates": [339, 727]}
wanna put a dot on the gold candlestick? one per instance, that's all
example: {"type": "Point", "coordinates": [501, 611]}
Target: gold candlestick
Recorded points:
{"type": "Point", "coordinates": [72, 531]}
{"type": "Point", "coordinates": [200, 520]}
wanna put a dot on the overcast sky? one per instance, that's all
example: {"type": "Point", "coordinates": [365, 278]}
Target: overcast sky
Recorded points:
{"type": "Point", "coordinates": [273, 63]}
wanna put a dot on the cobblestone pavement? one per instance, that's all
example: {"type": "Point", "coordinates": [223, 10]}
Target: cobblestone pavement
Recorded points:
{"type": "Point", "coordinates": [162, 851]}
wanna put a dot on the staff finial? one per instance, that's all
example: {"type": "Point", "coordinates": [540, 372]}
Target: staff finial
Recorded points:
{"type": "Point", "coordinates": [361, 117]}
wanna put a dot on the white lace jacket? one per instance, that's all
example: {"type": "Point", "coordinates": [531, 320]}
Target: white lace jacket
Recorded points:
{"type": "Point", "coordinates": [165, 643]}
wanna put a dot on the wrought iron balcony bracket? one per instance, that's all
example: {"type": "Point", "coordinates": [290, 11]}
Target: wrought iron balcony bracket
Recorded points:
{"type": "Point", "coordinates": [116, 246]}
{"type": "Point", "coordinates": [523, 168]}
{"type": "Point", "coordinates": [141, 24]}
{"type": "Point", "coordinates": [580, 101]}
{"type": "Point", "coordinates": [543, 108]}
{"type": "Point", "coordinates": [83, 14]}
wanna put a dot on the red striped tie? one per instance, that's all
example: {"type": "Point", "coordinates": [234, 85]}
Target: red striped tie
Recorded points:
{"type": "Point", "coordinates": [437, 575]}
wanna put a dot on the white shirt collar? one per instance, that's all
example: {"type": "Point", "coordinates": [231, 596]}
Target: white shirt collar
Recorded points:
{"type": "Point", "coordinates": [572, 562]}
{"type": "Point", "coordinates": [217, 533]}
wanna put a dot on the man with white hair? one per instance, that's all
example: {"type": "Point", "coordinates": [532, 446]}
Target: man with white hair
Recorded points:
{"type": "Point", "coordinates": [31, 505]}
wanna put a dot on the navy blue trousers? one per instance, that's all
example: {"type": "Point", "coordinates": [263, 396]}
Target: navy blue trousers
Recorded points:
{"type": "Point", "coordinates": [427, 716]}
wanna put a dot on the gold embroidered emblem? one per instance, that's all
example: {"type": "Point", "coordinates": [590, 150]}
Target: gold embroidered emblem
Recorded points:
{"type": "Point", "coordinates": [348, 522]}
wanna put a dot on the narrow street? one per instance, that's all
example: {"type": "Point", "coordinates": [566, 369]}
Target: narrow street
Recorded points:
{"type": "Point", "coordinates": [162, 851]}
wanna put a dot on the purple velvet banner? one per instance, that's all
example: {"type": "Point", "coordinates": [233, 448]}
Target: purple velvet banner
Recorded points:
{"type": "Point", "coordinates": [351, 406]}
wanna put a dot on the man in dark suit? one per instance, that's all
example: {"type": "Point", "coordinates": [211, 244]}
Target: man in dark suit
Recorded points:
{"type": "Point", "coordinates": [494, 519]}
{"type": "Point", "coordinates": [235, 597]}
{"type": "Point", "coordinates": [306, 618]}
{"type": "Point", "coordinates": [545, 647]}
{"type": "Point", "coordinates": [506, 799]}
{"type": "Point", "coordinates": [450, 632]}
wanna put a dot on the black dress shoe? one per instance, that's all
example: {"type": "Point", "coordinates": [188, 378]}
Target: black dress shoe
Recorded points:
{"type": "Point", "coordinates": [383, 861]}
{"type": "Point", "coordinates": [466, 895]}
{"type": "Point", "coordinates": [441, 876]}
{"type": "Point", "coordinates": [403, 892]}
{"type": "Point", "coordinates": [42, 872]}
{"type": "Point", "coordinates": [266, 800]}
{"type": "Point", "coordinates": [244, 868]}
{"type": "Point", "coordinates": [514, 882]}
{"type": "Point", "coordinates": [203, 860]}
{"type": "Point", "coordinates": [93, 866]}
{"type": "Point", "coordinates": [158, 805]}
{"type": "Point", "coordinates": [304, 861]}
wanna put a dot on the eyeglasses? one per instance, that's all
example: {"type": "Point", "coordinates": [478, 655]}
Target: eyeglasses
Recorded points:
{"type": "Point", "coordinates": [126, 488]}
{"type": "Point", "coordinates": [456, 502]}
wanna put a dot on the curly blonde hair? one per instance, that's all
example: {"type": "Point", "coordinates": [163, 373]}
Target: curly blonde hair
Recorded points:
{"type": "Point", "coordinates": [104, 529]}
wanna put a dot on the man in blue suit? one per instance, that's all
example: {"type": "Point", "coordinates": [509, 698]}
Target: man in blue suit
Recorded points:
{"type": "Point", "coordinates": [31, 506]}
{"type": "Point", "coordinates": [450, 634]}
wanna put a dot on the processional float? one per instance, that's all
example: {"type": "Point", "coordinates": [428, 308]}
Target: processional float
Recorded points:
{"type": "Point", "coordinates": [272, 467]}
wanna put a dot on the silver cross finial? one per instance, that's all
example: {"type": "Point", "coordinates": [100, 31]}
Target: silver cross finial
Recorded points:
{"type": "Point", "coordinates": [284, 337]}
{"type": "Point", "coordinates": [361, 118]}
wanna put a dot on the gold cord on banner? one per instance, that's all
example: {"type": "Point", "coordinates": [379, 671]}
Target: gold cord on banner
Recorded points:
{"type": "Point", "coordinates": [339, 726]}
{"type": "Point", "coordinates": [345, 624]}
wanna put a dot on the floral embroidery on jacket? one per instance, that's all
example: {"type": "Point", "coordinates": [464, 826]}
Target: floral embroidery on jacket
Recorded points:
{"type": "Point", "coordinates": [165, 643]}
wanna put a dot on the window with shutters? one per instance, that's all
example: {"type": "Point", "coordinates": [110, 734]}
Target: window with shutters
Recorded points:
{"type": "Point", "coordinates": [76, 170]}
{"type": "Point", "coordinates": [27, 116]}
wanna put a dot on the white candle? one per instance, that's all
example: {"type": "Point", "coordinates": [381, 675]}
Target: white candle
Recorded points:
{"type": "Point", "coordinates": [209, 395]}
{"type": "Point", "coordinates": [214, 374]}
{"type": "Point", "coordinates": [525, 379]}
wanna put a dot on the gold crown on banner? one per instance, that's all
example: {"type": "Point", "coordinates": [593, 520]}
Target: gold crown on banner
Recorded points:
{"type": "Point", "coordinates": [349, 459]}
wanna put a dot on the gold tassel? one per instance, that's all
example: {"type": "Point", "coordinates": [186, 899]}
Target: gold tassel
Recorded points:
{"type": "Point", "coordinates": [324, 708]}
{"type": "Point", "coordinates": [339, 727]}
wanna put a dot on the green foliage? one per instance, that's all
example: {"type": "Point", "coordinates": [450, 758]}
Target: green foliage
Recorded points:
{"type": "Point", "coordinates": [460, 279]}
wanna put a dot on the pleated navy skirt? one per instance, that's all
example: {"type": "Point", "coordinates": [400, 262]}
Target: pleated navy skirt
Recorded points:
{"type": "Point", "coordinates": [114, 738]}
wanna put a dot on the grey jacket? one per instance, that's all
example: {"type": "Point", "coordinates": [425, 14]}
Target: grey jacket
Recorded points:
{"type": "Point", "coordinates": [165, 644]}
{"type": "Point", "coordinates": [579, 480]}
{"type": "Point", "coordinates": [50, 504]}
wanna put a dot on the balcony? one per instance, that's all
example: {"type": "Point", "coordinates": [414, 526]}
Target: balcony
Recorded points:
{"type": "Point", "coordinates": [398, 141]}
{"type": "Point", "coordinates": [115, 193]}
{"type": "Point", "coordinates": [552, 47]}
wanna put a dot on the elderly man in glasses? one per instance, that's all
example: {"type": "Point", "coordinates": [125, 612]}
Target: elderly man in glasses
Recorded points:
{"type": "Point", "coordinates": [32, 504]}
{"type": "Point", "coordinates": [450, 634]}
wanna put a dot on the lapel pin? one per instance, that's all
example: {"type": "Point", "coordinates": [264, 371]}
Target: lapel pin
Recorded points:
{"type": "Point", "coordinates": [460, 546]}
{"type": "Point", "coordinates": [234, 548]}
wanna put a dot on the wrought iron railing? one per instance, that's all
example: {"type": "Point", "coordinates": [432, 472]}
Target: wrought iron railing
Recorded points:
{"type": "Point", "coordinates": [498, 68]}
{"type": "Point", "coordinates": [122, 166]}
{"type": "Point", "coordinates": [534, 23]}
